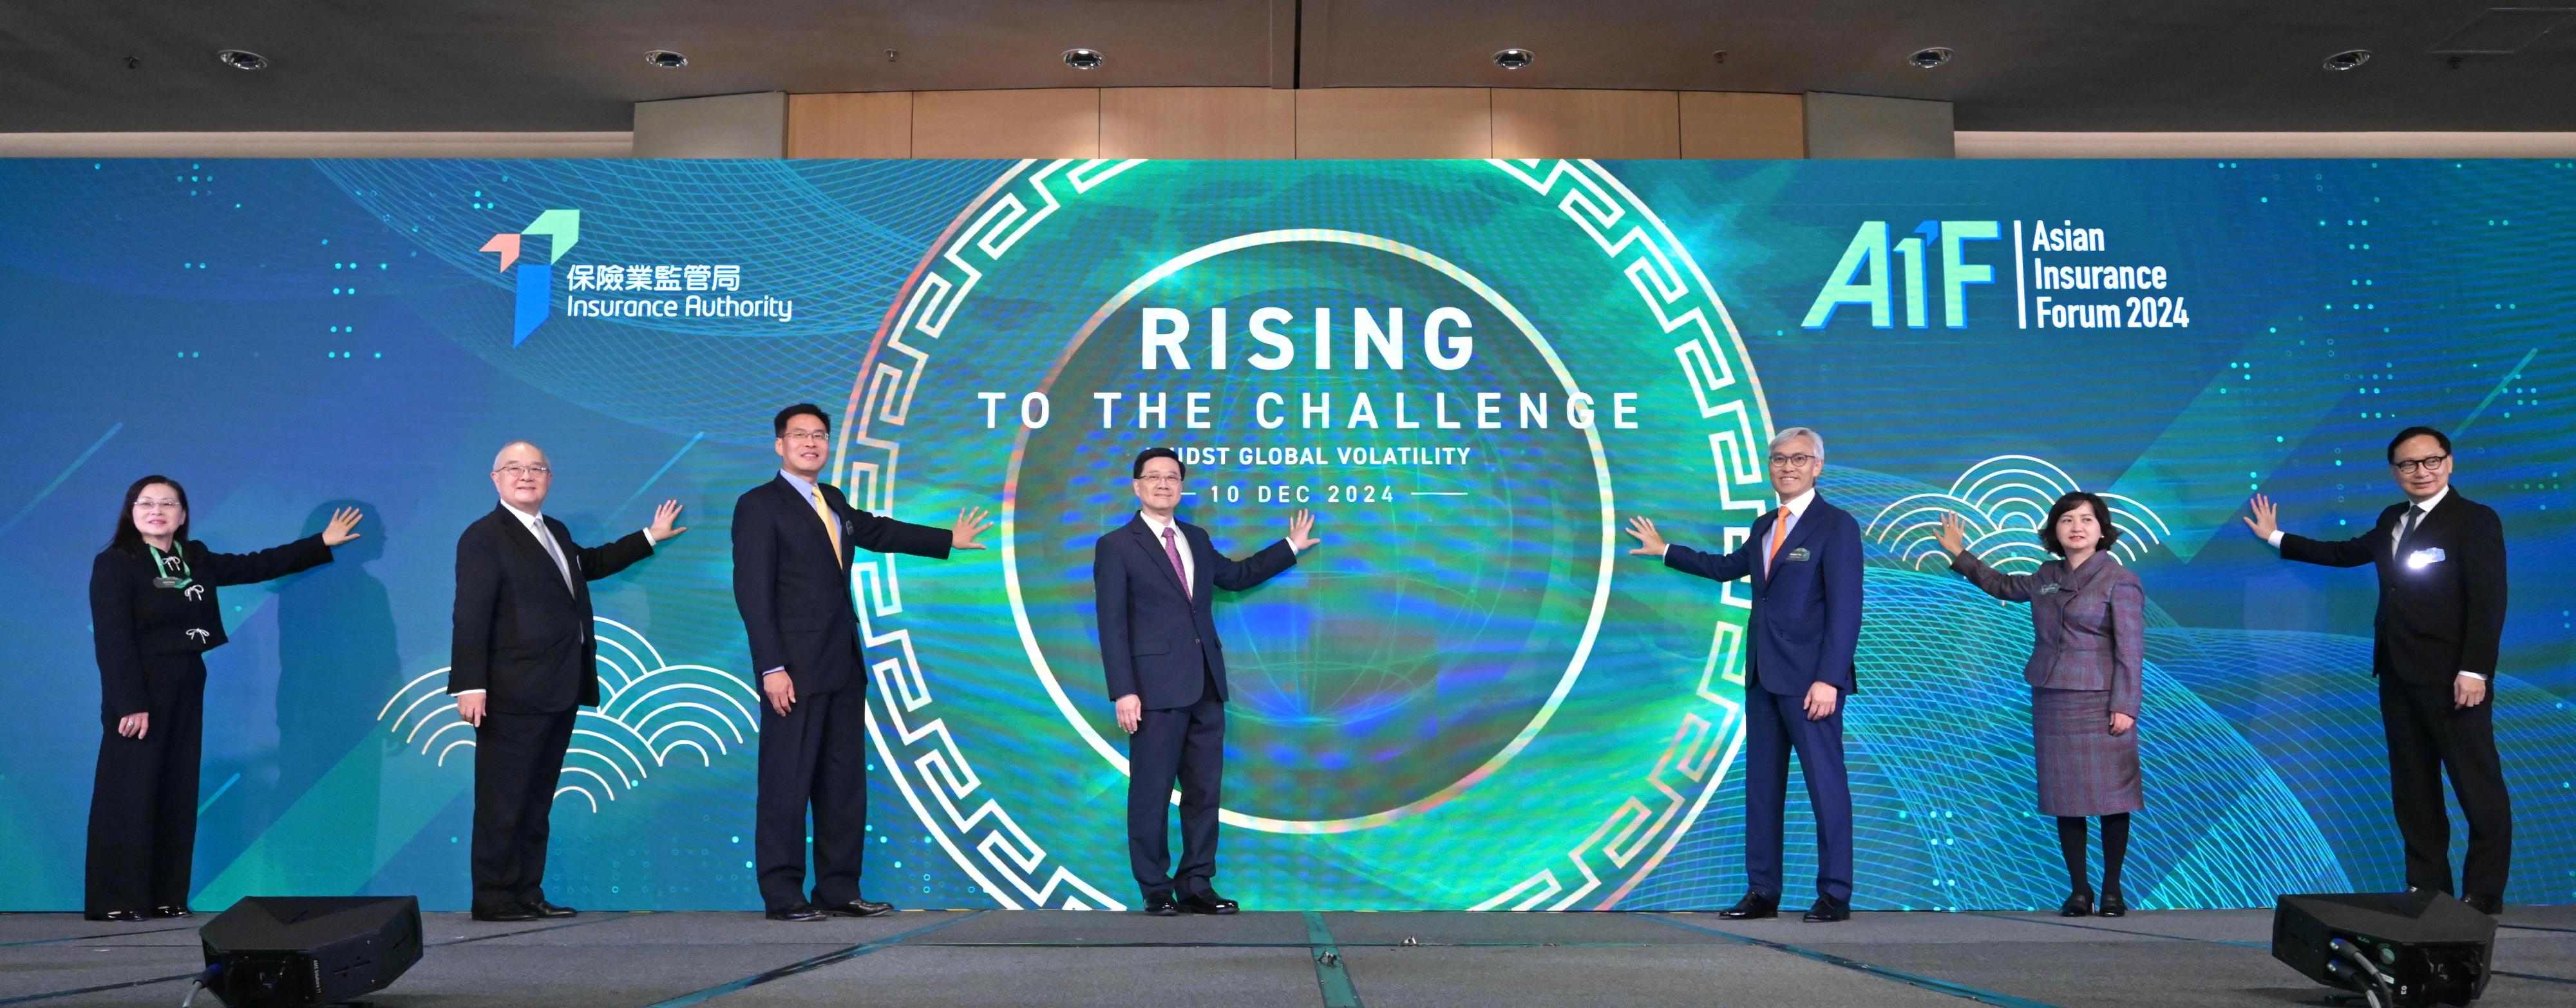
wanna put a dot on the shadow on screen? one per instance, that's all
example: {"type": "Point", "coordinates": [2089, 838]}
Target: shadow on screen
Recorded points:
{"type": "Point", "coordinates": [336, 665]}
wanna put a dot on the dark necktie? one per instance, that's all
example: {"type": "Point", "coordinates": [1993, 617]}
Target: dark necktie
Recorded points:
{"type": "Point", "coordinates": [2414, 513]}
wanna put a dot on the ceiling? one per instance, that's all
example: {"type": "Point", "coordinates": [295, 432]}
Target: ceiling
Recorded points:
{"type": "Point", "coordinates": [511, 65]}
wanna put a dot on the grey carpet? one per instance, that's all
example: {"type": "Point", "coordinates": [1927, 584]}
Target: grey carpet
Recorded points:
{"type": "Point", "coordinates": [1059, 958]}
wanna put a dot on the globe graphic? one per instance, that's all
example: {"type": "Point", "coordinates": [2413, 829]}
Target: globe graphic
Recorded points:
{"type": "Point", "coordinates": [1450, 591]}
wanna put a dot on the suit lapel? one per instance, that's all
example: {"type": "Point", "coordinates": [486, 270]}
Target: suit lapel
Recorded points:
{"type": "Point", "coordinates": [817, 536]}
{"type": "Point", "coordinates": [1798, 534]}
{"type": "Point", "coordinates": [531, 552]}
{"type": "Point", "coordinates": [571, 575]}
{"type": "Point", "coordinates": [1153, 546]}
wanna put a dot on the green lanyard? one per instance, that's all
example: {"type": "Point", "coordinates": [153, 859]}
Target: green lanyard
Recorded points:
{"type": "Point", "coordinates": [161, 569]}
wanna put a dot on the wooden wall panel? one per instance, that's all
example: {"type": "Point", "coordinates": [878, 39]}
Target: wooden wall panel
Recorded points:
{"type": "Point", "coordinates": [1395, 123]}
{"type": "Point", "coordinates": [1565, 122]}
{"type": "Point", "coordinates": [868, 124]}
{"type": "Point", "coordinates": [1205, 122]}
{"type": "Point", "coordinates": [1743, 124]}
{"type": "Point", "coordinates": [1035, 123]}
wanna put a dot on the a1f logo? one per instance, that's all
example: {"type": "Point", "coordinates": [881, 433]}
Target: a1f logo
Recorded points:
{"type": "Point", "coordinates": [1861, 278]}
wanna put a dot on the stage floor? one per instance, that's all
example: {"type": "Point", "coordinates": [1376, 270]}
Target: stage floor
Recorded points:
{"type": "Point", "coordinates": [936, 958]}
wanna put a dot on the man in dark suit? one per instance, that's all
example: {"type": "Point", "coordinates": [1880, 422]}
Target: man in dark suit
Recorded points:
{"type": "Point", "coordinates": [2433, 646]}
{"type": "Point", "coordinates": [1154, 579]}
{"type": "Point", "coordinates": [1805, 628]}
{"type": "Point", "coordinates": [521, 663]}
{"type": "Point", "coordinates": [793, 541]}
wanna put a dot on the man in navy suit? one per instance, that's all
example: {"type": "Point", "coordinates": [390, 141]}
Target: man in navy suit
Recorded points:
{"type": "Point", "coordinates": [1153, 579]}
{"type": "Point", "coordinates": [793, 541]}
{"type": "Point", "coordinates": [1805, 563]}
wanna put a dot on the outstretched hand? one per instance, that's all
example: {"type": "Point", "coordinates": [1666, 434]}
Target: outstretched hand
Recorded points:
{"type": "Point", "coordinates": [1954, 533]}
{"type": "Point", "coordinates": [2264, 522]}
{"type": "Point", "coordinates": [662, 518]}
{"type": "Point", "coordinates": [971, 522]}
{"type": "Point", "coordinates": [1650, 542]}
{"type": "Point", "coordinates": [343, 522]}
{"type": "Point", "coordinates": [1300, 528]}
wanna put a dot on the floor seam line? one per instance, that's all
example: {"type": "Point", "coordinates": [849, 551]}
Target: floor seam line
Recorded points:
{"type": "Point", "coordinates": [1917, 980]}
{"type": "Point", "coordinates": [810, 964]}
{"type": "Point", "coordinates": [1331, 977]}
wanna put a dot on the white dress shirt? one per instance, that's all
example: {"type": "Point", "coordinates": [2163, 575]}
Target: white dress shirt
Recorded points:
{"type": "Point", "coordinates": [535, 522]}
{"type": "Point", "coordinates": [2397, 534]}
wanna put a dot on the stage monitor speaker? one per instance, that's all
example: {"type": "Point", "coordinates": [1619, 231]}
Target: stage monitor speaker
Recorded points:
{"type": "Point", "coordinates": [302, 951]}
{"type": "Point", "coordinates": [2412, 948]}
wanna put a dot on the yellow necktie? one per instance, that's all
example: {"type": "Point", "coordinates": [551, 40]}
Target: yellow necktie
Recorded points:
{"type": "Point", "coordinates": [830, 527]}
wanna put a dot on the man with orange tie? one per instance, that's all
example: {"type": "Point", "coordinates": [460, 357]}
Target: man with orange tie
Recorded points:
{"type": "Point", "coordinates": [1804, 559]}
{"type": "Point", "coordinates": [793, 541]}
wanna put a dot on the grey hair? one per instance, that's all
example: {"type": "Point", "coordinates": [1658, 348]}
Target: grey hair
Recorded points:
{"type": "Point", "coordinates": [505, 449]}
{"type": "Point", "coordinates": [1785, 436]}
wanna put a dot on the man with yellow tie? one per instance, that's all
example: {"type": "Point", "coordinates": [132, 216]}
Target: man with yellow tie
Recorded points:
{"type": "Point", "coordinates": [1804, 559]}
{"type": "Point", "coordinates": [793, 541]}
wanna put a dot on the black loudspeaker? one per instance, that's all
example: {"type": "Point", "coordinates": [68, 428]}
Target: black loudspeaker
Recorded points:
{"type": "Point", "coordinates": [302, 951]}
{"type": "Point", "coordinates": [2413, 948]}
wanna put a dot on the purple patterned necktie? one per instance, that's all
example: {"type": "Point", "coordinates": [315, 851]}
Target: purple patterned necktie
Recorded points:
{"type": "Point", "coordinates": [1173, 551]}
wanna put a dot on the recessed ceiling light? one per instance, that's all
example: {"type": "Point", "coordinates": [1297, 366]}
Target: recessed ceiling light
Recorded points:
{"type": "Point", "coordinates": [240, 60]}
{"type": "Point", "coordinates": [1718, 56]}
{"type": "Point", "coordinates": [1514, 59]}
{"type": "Point", "coordinates": [2348, 59]}
{"type": "Point", "coordinates": [1084, 59]}
{"type": "Point", "coordinates": [1931, 57]}
{"type": "Point", "coordinates": [666, 59]}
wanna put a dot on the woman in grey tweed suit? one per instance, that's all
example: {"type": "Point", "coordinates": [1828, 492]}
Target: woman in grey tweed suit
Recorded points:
{"type": "Point", "coordinates": [2088, 614]}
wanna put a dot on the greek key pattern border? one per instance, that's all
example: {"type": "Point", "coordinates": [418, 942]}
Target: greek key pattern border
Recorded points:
{"type": "Point", "coordinates": [1006, 862]}
{"type": "Point", "coordinates": [1660, 809]}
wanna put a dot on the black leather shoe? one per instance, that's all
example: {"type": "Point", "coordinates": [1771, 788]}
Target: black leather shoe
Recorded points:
{"type": "Point", "coordinates": [180, 910]}
{"type": "Point", "coordinates": [544, 909]}
{"type": "Point", "coordinates": [2079, 905]}
{"type": "Point", "coordinates": [1211, 903]}
{"type": "Point", "coordinates": [800, 913]}
{"type": "Point", "coordinates": [1828, 910]}
{"type": "Point", "coordinates": [1754, 906]}
{"type": "Point", "coordinates": [1160, 905]}
{"type": "Point", "coordinates": [2492, 906]}
{"type": "Point", "coordinates": [119, 916]}
{"type": "Point", "coordinates": [508, 913]}
{"type": "Point", "coordinates": [857, 908]}
{"type": "Point", "coordinates": [2112, 904]}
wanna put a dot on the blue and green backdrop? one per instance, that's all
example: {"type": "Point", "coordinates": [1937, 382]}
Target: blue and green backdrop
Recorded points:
{"type": "Point", "coordinates": [1469, 696]}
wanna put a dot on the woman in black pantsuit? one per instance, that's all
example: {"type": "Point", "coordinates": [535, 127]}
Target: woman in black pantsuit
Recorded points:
{"type": "Point", "coordinates": [154, 613]}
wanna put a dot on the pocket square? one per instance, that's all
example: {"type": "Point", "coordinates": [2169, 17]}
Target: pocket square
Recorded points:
{"type": "Point", "coordinates": [2051, 589]}
{"type": "Point", "coordinates": [1797, 555]}
{"type": "Point", "coordinates": [2426, 557]}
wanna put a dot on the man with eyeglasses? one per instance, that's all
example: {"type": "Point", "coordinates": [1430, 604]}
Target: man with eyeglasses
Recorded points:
{"type": "Point", "coordinates": [522, 662]}
{"type": "Point", "coordinates": [2434, 644]}
{"type": "Point", "coordinates": [794, 539]}
{"type": "Point", "coordinates": [1805, 562]}
{"type": "Point", "coordinates": [1153, 582]}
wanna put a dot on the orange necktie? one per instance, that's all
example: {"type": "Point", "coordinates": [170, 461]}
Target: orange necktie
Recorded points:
{"type": "Point", "coordinates": [830, 527]}
{"type": "Point", "coordinates": [1779, 534]}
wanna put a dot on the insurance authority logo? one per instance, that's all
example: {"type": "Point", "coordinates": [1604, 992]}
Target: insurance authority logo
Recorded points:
{"type": "Point", "coordinates": [536, 281]}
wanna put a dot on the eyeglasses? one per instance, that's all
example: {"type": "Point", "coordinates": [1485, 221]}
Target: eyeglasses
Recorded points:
{"type": "Point", "coordinates": [2410, 466]}
{"type": "Point", "coordinates": [514, 470]}
{"type": "Point", "coordinates": [818, 437]}
{"type": "Point", "coordinates": [1797, 461]}
{"type": "Point", "coordinates": [1159, 479]}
